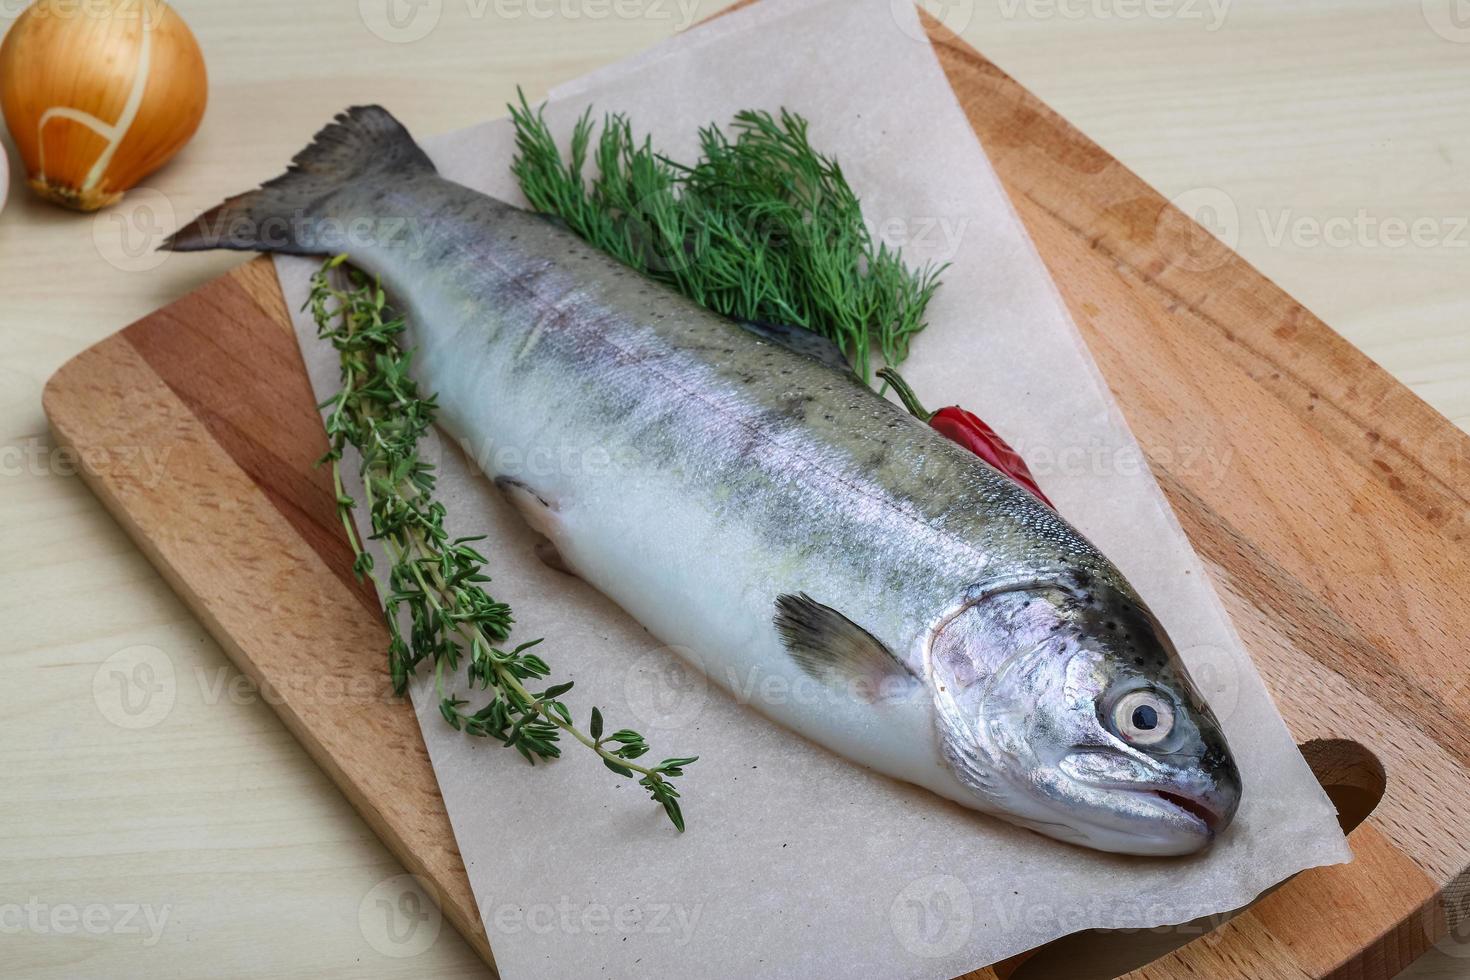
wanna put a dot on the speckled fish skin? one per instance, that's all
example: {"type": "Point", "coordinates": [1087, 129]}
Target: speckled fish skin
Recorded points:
{"type": "Point", "coordinates": [694, 472]}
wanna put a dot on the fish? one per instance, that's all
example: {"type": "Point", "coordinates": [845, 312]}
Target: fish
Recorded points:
{"type": "Point", "coordinates": [834, 563]}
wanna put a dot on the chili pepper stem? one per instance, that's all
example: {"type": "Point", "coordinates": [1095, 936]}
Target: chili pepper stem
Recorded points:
{"type": "Point", "coordinates": [905, 394]}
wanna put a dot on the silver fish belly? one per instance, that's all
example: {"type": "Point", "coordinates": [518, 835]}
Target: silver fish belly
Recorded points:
{"type": "Point", "coordinates": [848, 571]}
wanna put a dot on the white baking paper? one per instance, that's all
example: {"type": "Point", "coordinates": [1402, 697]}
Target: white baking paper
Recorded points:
{"type": "Point", "coordinates": [798, 863]}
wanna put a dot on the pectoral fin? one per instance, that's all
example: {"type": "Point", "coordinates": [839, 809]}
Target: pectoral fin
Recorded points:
{"type": "Point", "coordinates": [838, 652]}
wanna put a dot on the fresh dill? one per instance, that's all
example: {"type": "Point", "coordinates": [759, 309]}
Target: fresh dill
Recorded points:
{"type": "Point", "coordinates": [762, 227]}
{"type": "Point", "coordinates": [439, 581]}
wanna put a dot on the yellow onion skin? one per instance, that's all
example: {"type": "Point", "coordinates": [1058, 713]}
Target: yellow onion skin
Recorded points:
{"type": "Point", "coordinates": [98, 94]}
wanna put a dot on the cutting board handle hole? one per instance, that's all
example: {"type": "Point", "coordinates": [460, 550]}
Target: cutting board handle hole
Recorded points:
{"type": "Point", "coordinates": [1354, 780]}
{"type": "Point", "coordinates": [1350, 773]}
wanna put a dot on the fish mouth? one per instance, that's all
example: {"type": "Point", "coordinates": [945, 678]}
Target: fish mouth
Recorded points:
{"type": "Point", "coordinates": [1207, 816]}
{"type": "Point", "coordinates": [1156, 818]}
{"type": "Point", "coordinates": [1154, 823]}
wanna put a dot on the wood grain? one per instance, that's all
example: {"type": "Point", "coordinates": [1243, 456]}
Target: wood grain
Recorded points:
{"type": "Point", "coordinates": [1335, 531]}
{"type": "Point", "coordinates": [245, 530]}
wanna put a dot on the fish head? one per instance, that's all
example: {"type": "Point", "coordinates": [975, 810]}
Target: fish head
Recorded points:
{"type": "Point", "coordinates": [1063, 705]}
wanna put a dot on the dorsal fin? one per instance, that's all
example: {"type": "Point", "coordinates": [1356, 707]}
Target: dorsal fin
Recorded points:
{"type": "Point", "coordinates": [801, 340]}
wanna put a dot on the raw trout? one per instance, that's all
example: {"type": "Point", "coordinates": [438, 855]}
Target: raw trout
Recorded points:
{"type": "Point", "coordinates": [854, 574]}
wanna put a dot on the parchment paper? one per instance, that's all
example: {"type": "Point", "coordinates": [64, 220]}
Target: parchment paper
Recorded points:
{"type": "Point", "coordinates": [798, 863]}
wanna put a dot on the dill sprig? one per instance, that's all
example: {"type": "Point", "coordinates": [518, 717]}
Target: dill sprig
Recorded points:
{"type": "Point", "coordinates": [762, 227]}
{"type": "Point", "coordinates": [436, 580]}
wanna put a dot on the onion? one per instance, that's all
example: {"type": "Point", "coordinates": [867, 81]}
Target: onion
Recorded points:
{"type": "Point", "coordinates": [98, 94]}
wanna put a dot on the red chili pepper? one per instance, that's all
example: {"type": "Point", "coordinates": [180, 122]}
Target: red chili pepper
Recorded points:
{"type": "Point", "coordinates": [967, 429]}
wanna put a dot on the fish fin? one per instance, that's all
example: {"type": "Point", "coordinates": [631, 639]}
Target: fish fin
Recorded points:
{"type": "Point", "coordinates": [551, 557]}
{"type": "Point", "coordinates": [287, 214]}
{"type": "Point", "coordinates": [833, 649]}
{"type": "Point", "coordinates": [541, 515]}
{"type": "Point", "coordinates": [801, 340]}
{"type": "Point", "coordinates": [538, 512]}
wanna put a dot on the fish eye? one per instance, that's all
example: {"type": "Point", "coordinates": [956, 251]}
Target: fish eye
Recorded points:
{"type": "Point", "coordinates": [1144, 718]}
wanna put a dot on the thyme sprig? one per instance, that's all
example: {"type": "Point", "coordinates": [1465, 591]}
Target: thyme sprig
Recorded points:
{"type": "Point", "coordinates": [436, 580]}
{"type": "Point", "coordinates": [762, 227]}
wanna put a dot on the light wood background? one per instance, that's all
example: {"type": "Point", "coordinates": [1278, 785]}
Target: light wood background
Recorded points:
{"type": "Point", "coordinates": [1329, 143]}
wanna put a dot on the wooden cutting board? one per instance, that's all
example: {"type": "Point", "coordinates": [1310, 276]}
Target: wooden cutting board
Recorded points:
{"type": "Point", "coordinates": [1335, 527]}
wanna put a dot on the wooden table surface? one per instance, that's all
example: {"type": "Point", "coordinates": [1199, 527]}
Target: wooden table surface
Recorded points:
{"type": "Point", "coordinates": [160, 822]}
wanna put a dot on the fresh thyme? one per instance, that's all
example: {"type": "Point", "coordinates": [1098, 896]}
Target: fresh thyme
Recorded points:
{"type": "Point", "coordinates": [762, 227]}
{"type": "Point", "coordinates": [439, 582]}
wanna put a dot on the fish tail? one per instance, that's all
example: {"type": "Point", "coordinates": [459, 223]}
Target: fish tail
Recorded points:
{"type": "Point", "coordinates": [291, 213]}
